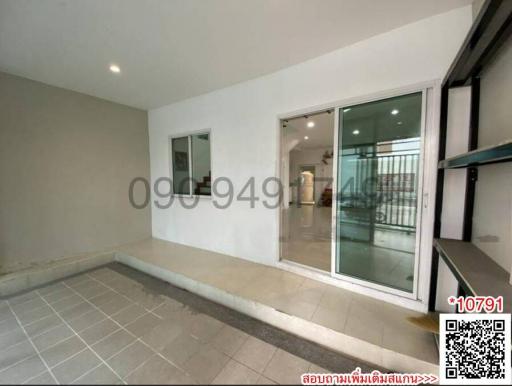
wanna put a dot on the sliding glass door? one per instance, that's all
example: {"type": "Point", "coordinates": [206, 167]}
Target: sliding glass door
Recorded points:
{"type": "Point", "coordinates": [378, 166]}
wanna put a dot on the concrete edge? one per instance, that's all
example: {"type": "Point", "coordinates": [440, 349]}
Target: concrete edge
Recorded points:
{"type": "Point", "coordinates": [324, 336]}
{"type": "Point", "coordinates": [26, 279]}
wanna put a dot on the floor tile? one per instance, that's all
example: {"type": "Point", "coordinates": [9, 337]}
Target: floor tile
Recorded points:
{"type": "Point", "coordinates": [205, 364]}
{"type": "Point", "coordinates": [52, 288]}
{"type": "Point", "coordinates": [22, 371]}
{"type": "Point", "coordinates": [53, 336]}
{"type": "Point", "coordinates": [265, 381]}
{"type": "Point", "coordinates": [58, 295]}
{"type": "Point", "coordinates": [229, 340]}
{"type": "Point", "coordinates": [32, 315]}
{"type": "Point", "coordinates": [314, 369]}
{"type": "Point", "coordinates": [326, 317]}
{"type": "Point", "coordinates": [86, 320]}
{"type": "Point", "coordinates": [162, 334]}
{"type": "Point", "coordinates": [143, 325]}
{"type": "Point", "coordinates": [76, 310]}
{"type": "Point", "coordinates": [234, 373]}
{"type": "Point", "coordinates": [128, 359]}
{"type": "Point", "coordinates": [181, 349]}
{"type": "Point", "coordinates": [101, 375]}
{"type": "Point", "coordinates": [12, 337]}
{"type": "Point", "coordinates": [285, 368]}
{"type": "Point", "coordinates": [128, 315]}
{"type": "Point", "coordinates": [13, 301]}
{"type": "Point", "coordinates": [158, 371]}
{"type": "Point", "coordinates": [61, 351]}
{"type": "Point", "coordinates": [255, 354]}
{"type": "Point", "coordinates": [5, 312]}
{"type": "Point", "coordinates": [8, 325]}
{"type": "Point", "coordinates": [29, 305]}
{"type": "Point", "coordinates": [66, 302]}
{"type": "Point", "coordinates": [43, 325]}
{"type": "Point", "coordinates": [16, 353]}
{"type": "Point", "coordinates": [77, 280]}
{"type": "Point", "coordinates": [204, 327]}
{"type": "Point", "coordinates": [168, 308]}
{"type": "Point", "coordinates": [44, 378]}
{"type": "Point", "coordinates": [98, 331]}
{"type": "Point", "coordinates": [75, 366]}
{"type": "Point", "coordinates": [113, 344]}
{"type": "Point", "coordinates": [115, 305]}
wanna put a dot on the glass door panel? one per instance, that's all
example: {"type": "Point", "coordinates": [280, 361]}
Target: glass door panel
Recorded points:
{"type": "Point", "coordinates": [377, 190]}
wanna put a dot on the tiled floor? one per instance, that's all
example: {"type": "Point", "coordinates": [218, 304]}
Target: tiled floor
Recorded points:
{"type": "Point", "coordinates": [361, 317]}
{"type": "Point", "coordinates": [306, 236]}
{"type": "Point", "coordinates": [117, 325]}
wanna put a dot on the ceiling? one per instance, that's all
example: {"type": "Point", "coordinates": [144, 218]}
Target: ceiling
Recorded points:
{"type": "Point", "coordinates": [169, 50]}
{"type": "Point", "coordinates": [321, 135]}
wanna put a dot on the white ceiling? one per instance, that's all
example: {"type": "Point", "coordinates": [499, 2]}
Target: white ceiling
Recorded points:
{"type": "Point", "coordinates": [321, 135]}
{"type": "Point", "coordinates": [169, 50]}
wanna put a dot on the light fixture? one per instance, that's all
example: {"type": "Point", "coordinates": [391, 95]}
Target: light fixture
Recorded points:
{"type": "Point", "coordinates": [394, 111]}
{"type": "Point", "coordinates": [115, 68]}
{"type": "Point", "coordinates": [311, 124]}
{"type": "Point", "coordinates": [306, 137]}
{"type": "Point", "coordinates": [355, 132]}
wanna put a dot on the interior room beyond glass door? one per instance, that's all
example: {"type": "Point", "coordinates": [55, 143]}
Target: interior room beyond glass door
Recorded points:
{"type": "Point", "coordinates": [379, 149]}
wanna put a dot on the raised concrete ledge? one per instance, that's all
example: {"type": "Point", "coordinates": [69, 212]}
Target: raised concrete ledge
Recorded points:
{"type": "Point", "coordinates": [306, 329]}
{"type": "Point", "coordinates": [26, 279]}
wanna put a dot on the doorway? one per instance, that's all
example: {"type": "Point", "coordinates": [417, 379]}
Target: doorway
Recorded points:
{"type": "Point", "coordinates": [307, 168]}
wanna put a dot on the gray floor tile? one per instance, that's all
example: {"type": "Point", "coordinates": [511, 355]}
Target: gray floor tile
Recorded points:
{"type": "Point", "coordinates": [22, 371]}
{"type": "Point", "coordinates": [158, 371]}
{"type": "Point", "coordinates": [43, 325]}
{"type": "Point", "coordinates": [58, 295]}
{"type": "Point", "coordinates": [29, 305]}
{"type": "Point", "coordinates": [76, 366]}
{"type": "Point", "coordinates": [285, 368]}
{"type": "Point", "coordinates": [51, 337]}
{"type": "Point", "coordinates": [129, 314]}
{"type": "Point", "coordinates": [255, 354]}
{"type": "Point", "coordinates": [15, 354]}
{"type": "Point", "coordinates": [5, 312]}
{"type": "Point", "coordinates": [235, 373]}
{"type": "Point", "coordinates": [61, 351]}
{"type": "Point", "coordinates": [128, 359]}
{"type": "Point", "coordinates": [42, 379]}
{"type": "Point", "coordinates": [52, 288]}
{"type": "Point", "coordinates": [8, 325]}
{"type": "Point", "coordinates": [181, 349]}
{"type": "Point", "coordinates": [162, 334]}
{"type": "Point", "coordinates": [101, 375]}
{"type": "Point", "coordinates": [100, 330]}
{"type": "Point", "coordinates": [229, 340]}
{"type": "Point", "coordinates": [76, 310]}
{"type": "Point", "coordinates": [143, 325]}
{"type": "Point", "coordinates": [86, 320]}
{"type": "Point", "coordinates": [206, 364]}
{"type": "Point", "coordinates": [66, 302]}
{"type": "Point", "coordinates": [113, 344]}
{"type": "Point", "coordinates": [12, 337]}
{"type": "Point", "coordinates": [114, 306]}
{"type": "Point", "coordinates": [31, 315]}
{"type": "Point", "coordinates": [204, 327]}
{"type": "Point", "coordinates": [13, 301]}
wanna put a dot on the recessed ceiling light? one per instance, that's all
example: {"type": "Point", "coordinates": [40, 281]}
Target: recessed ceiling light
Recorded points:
{"type": "Point", "coordinates": [394, 111]}
{"type": "Point", "coordinates": [355, 132]}
{"type": "Point", "coordinates": [311, 124]}
{"type": "Point", "coordinates": [347, 110]}
{"type": "Point", "coordinates": [306, 137]}
{"type": "Point", "coordinates": [115, 68]}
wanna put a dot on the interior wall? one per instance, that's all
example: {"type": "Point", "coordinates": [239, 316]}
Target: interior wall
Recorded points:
{"type": "Point", "coordinates": [302, 157]}
{"type": "Point", "coordinates": [492, 217]}
{"type": "Point", "coordinates": [66, 162]}
{"type": "Point", "coordinates": [244, 121]}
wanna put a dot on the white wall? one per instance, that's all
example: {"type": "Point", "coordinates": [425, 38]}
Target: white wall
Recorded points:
{"type": "Point", "coordinates": [244, 125]}
{"type": "Point", "coordinates": [492, 217]}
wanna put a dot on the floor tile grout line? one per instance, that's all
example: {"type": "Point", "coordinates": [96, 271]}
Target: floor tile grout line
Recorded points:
{"type": "Point", "coordinates": [33, 345]}
{"type": "Point", "coordinates": [69, 357]}
{"type": "Point", "coordinates": [126, 297]}
{"type": "Point", "coordinates": [137, 339]}
{"type": "Point", "coordinates": [34, 377]}
{"type": "Point", "coordinates": [79, 337]}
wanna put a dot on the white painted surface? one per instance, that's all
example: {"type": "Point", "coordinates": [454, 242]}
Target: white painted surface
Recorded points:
{"type": "Point", "coordinates": [169, 50]}
{"type": "Point", "coordinates": [492, 217]}
{"type": "Point", "coordinates": [452, 217]}
{"type": "Point", "coordinates": [244, 120]}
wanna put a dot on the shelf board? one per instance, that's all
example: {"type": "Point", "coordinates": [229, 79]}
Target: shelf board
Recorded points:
{"type": "Point", "coordinates": [476, 272]}
{"type": "Point", "coordinates": [483, 156]}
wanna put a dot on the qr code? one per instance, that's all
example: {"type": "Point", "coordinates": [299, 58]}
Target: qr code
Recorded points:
{"type": "Point", "coordinates": [474, 349]}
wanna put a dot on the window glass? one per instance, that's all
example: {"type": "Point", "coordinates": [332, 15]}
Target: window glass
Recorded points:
{"type": "Point", "coordinates": [180, 166]}
{"type": "Point", "coordinates": [201, 165]}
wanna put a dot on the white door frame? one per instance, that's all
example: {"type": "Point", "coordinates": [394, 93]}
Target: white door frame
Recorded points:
{"type": "Point", "coordinates": [418, 300]}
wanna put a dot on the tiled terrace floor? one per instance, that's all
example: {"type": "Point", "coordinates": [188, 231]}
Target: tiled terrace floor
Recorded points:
{"type": "Point", "coordinates": [117, 325]}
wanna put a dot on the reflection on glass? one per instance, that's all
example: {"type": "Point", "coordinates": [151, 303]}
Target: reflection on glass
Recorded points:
{"type": "Point", "coordinates": [201, 172]}
{"type": "Point", "coordinates": [378, 166]}
{"type": "Point", "coordinates": [180, 169]}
